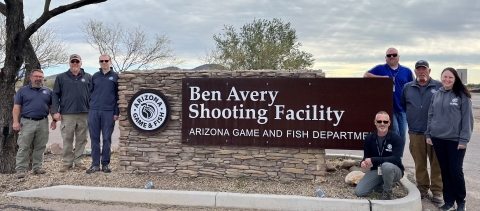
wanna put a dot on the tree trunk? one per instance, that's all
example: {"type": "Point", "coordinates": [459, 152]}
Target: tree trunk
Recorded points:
{"type": "Point", "coordinates": [13, 62]}
{"type": "Point", "coordinates": [31, 62]}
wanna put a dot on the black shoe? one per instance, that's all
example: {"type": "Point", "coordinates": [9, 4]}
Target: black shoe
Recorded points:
{"type": "Point", "coordinates": [461, 207]}
{"type": "Point", "coordinates": [105, 169]}
{"type": "Point", "coordinates": [386, 195]}
{"type": "Point", "coordinates": [446, 207]}
{"type": "Point", "coordinates": [93, 169]}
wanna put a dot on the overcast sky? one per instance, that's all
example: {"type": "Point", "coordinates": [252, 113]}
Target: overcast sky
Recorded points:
{"type": "Point", "coordinates": [346, 38]}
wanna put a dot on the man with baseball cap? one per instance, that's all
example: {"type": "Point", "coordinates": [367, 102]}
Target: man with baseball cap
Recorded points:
{"type": "Point", "coordinates": [416, 99]}
{"type": "Point", "coordinates": [70, 104]}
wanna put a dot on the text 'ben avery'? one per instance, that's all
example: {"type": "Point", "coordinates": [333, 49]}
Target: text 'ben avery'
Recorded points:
{"type": "Point", "coordinates": [310, 113]}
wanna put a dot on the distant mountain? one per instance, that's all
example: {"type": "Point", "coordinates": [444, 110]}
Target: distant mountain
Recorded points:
{"type": "Point", "coordinates": [170, 68]}
{"type": "Point", "coordinates": [210, 67]}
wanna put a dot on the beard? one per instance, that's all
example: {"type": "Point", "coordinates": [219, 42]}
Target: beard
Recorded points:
{"type": "Point", "coordinates": [37, 84]}
{"type": "Point", "coordinates": [384, 129]}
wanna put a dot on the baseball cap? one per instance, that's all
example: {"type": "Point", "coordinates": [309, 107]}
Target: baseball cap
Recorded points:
{"type": "Point", "coordinates": [421, 63]}
{"type": "Point", "coordinates": [75, 56]}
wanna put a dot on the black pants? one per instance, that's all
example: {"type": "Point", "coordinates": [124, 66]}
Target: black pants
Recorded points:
{"type": "Point", "coordinates": [451, 165]}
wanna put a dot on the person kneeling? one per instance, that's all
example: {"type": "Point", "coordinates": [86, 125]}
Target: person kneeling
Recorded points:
{"type": "Point", "coordinates": [383, 155]}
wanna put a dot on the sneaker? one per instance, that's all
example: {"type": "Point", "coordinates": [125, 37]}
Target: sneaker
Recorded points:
{"type": "Point", "coordinates": [64, 168]}
{"type": "Point", "coordinates": [93, 169]}
{"type": "Point", "coordinates": [81, 166]}
{"type": "Point", "coordinates": [423, 194]}
{"type": "Point", "coordinates": [437, 198]}
{"type": "Point", "coordinates": [386, 195]}
{"type": "Point", "coordinates": [461, 207]}
{"type": "Point", "coordinates": [105, 169]}
{"type": "Point", "coordinates": [446, 207]}
{"type": "Point", "coordinates": [39, 171]}
{"type": "Point", "coordinates": [21, 174]}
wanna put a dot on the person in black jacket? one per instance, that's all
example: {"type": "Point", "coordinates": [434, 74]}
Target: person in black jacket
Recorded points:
{"type": "Point", "coordinates": [70, 101]}
{"type": "Point", "coordinates": [383, 155]}
{"type": "Point", "coordinates": [103, 113]}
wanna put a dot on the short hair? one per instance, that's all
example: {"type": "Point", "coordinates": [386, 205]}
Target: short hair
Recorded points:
{"type": "Point", "coordinates": [382, 112]}
{"type": "Point", "coordinates": [37, 70]}
{"type": "Point", "coordinates": [109, 58]}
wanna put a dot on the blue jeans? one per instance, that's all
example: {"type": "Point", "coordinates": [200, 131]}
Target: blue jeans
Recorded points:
{"type": "Point", "coordinates": [451, 164]}
{"type": "Point", "coordinates": [400, 126]}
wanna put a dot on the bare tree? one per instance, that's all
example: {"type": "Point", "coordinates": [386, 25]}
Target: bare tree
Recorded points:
{"type": "Point", "coordinates": [47, 45]}
{"type": "Point", "coordinates": [129, 48]}
{"type": "Point", "coordinates": [19, 50]}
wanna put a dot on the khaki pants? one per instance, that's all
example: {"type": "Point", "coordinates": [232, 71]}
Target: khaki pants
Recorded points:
{"type": "Point", "coordinates": [420, 150]}
{"type": "Point", "coordinates": [74, 125]}
{"type": "Point", "coordinates": [35, 132]}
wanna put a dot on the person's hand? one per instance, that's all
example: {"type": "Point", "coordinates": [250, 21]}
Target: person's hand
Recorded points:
{"type": "Point", "coordinates": [368, 161]}
{"type": "Point", "coordinates": [461, 147]}
{"type": "Point", "coordinates": [57, 117]}
{"type": "Point", "coordinates": [53, 125]}
{"type": "Point", "coordinates": [364, 166]}
{"type": "Point", "coordinates": [17, 126]}
{"type": "Point", "coordinates": [429, 141]}
{"type": "Point", "coordinates": [115, 117]}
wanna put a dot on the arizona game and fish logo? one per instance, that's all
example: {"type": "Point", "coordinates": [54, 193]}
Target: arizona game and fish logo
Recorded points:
{"type": "Point", "coordinates": [148, 110]}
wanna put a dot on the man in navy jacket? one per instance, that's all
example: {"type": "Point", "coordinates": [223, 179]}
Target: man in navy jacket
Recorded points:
{"type": "Point", "coordinates": [103, 113]}
{"type": "Point", "coordinates": [383, 155]}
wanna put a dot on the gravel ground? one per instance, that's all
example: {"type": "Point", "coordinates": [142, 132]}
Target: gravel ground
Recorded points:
{"type": "Point", "coordinates": [334, 185]}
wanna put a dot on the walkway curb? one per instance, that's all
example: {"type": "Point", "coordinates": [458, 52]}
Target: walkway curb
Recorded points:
{"type": "Point", "coordinates": [228, 200]}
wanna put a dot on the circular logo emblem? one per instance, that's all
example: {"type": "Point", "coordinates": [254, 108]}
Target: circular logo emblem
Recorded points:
{"type": "Point", "coordinates": [83, 80]}
{"type": "Point", "coordinates": [44, 91]}
{"type": "Point", "coordinates": [111, 78]}
{"type": "Point", "coordinates": [454, 100]}
{"type": "Point", "coordinates": [148, 110]}
{"type": "Point", "coordinates": [433, 91]}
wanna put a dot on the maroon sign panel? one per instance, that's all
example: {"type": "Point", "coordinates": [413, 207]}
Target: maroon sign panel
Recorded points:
{"type": "Point", "coordinates": [329, 113]}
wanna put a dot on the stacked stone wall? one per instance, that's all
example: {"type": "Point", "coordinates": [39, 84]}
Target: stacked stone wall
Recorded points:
{"type": "Point", "coordinates": [163, 153]}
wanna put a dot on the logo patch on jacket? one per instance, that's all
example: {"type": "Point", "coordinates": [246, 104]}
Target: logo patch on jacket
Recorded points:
{"type": "Point", "coordinates": [44, 91]}
{"type": "Point", "coordinates": [389, 148]}
{"type": "Point", "coordinates": [433, 91]}
{"type": "Point", "coordinates": [111, 78]}
{"type": "Point", "coordinates": [454, 102]}
{"type": "Point", "coordinates": [83, 80]}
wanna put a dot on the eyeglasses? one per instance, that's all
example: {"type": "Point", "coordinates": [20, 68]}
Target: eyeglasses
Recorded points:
{"type": "Point", "coordinates": [74, 61]}
{"type": "Point", "coordinates": [36, 76]}
{"type": "Point", "coordinates": [102, 61]}
{"type": "Point", "coordinates": [384, 121]}
{"type": "Point", "coordinates": [393, 54]}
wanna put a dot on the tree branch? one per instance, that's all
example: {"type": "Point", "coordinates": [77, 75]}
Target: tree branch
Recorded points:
{"type": "Point", "coordinates": [52, 13]}
{"type": "Point", "coordinates": [3, 9]}
{"type": "Point", "coordinates": [47, 6]}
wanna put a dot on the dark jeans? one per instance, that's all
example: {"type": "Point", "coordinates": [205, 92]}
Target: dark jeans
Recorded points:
{"type": "Point", "coordinates": [451, 165]}
{"type": "Point", "coordinates": [100, 122]}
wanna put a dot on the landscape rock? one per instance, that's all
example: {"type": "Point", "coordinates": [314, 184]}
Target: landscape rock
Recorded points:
{"type": "Point", "coordinates": [346, 164]}
{"type": "Point", "coordinates": [356, 168]}
{"type": "Point", "coordinates": [56, 149]}
{"type": "Point", "coordinates": [354, 177]}
{"type": "Point", "coordinates": [330, 167]}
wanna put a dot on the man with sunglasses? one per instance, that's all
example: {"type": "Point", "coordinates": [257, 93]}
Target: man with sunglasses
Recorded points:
{"type": "Point", "coordinates": [30, 111]}
{"type": "Point", "coordinates": [383, 151]}
{"type": "Point", "coordinates": [70, 101]}
{"type": "Point", "coordinates": [103, 113]}
{"type": "Point", "coordinates": [400, 76]}
{"type": "Point", "coordinates": [416, 100]}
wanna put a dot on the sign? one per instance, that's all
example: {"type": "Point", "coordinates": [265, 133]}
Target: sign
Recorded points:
{"type": "Point", "coordinates": [148, 110]}
{"type": "Point", "coordinates": [330, 113]}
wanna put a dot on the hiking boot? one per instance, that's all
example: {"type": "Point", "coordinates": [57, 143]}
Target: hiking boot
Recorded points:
{"type": "Point", "coordinates": [386, 195]}
{"type": "Point", "coordinates": [437, 198]}
{"type": "Point", "coordinates": [64, 168]}
{"type": "Point", "coordinates": [105, 169]}
{"type": "Point", "coordinates": [93, 169]}
{"type": "Point", "coordinates": [81, 166]}
{"type": "Point", "coordinates": [39, 171]}
{"type": "Point", "coordinates": [21, 174]}
{"type": "Point", "coordinates": [446, 207]}
{"type": "Point", "coordinates": [461, 207]}
{"type": "Point", "coordinates": [423, 194]}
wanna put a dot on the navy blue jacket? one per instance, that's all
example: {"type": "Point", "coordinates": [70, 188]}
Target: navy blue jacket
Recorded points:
{"type": "Point", "coordinates": [104, 92]}
{"type": "Point", "coordinates": [70, 93]}
{"type": "Point", "coordinates": [392, 152]}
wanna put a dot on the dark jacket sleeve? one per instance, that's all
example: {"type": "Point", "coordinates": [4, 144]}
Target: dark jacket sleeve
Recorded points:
{"type": "Point", "coordinates": [366, 147]}
{"type": "Point", "coordinates": [116, 111]}
{"type": "Point", "coordinates": [56, 94]}
{"type": "Point", "coordinates": [396, 156]}
{"type": "Point", "coordinates": [467, 120]}
{"type": "Point", "coordinates": [403, 100]}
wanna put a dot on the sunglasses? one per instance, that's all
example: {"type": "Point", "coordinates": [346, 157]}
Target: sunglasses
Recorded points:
{"type": "Point", "coordinates": [393, 54]}
{"type": "Point", "coordinates": [102, 61]}
{"type": "Point", "coordinates": [74, 61]}
{"type": "Point", "coordinates": [384, 122]}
